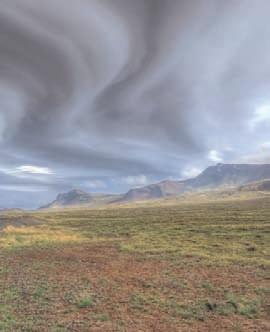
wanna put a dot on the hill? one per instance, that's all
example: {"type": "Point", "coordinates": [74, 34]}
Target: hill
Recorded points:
{"type": "Point", "coordinates": [230, 175]}
{"type": "Point", "coordinates": [263, 185]}
{"type": "Point", "coordinates": [73, 197]}
{"type": "Point", "coordinates": [154, 191]}
{"type": "Point", "coordinates": [213, 177]}
{"type": "Point", "coordinates": [77, 198]}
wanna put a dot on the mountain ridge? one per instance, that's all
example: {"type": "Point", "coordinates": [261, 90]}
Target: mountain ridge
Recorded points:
{"type": "Point", "coordinates": [213, 177]}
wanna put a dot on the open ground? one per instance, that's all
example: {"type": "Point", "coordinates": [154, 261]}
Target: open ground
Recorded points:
{"type": "Point", "coordinates": [178, 266]}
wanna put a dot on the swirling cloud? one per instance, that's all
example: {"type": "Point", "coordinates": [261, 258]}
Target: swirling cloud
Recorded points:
{"type": "Point", "coordinates": [100, 90]}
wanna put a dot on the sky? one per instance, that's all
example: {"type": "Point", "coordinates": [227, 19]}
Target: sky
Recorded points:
{"type": "Point", "coordinates": [107, 95]}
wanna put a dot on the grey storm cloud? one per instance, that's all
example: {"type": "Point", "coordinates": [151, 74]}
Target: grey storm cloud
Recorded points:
{"type": "Point", "coordinates": [102, 89]}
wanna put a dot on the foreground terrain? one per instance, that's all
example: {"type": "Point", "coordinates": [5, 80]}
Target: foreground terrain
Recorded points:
{"type": "Point", "coordinates": [177, 266]}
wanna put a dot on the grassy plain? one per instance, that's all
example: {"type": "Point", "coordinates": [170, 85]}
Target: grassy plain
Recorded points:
{"type": "Point", "coordinates": [191, 264]}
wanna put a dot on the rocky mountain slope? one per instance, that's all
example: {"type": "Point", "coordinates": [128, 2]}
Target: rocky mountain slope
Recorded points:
{"type": "Point", "coordinates": [73, 197]}
{"type": "Point", "coordinates": [154, 191]}
{"type": "Point", "coordinates": [213, 177]}
{"type": "Point", "coordinates": [230, 175]}
{"type": "Point", "coordinates": [78, 197]}
{"type": "Point", "coordinates": [263, 185]}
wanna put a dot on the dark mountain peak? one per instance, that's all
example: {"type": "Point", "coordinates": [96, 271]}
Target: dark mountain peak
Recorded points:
{"type": "Point", "coordinates": [73, 197]}
{"type": "Point", "coordinates": [219, 175]}
{"type": "Point", "coordinates": [230, 175]}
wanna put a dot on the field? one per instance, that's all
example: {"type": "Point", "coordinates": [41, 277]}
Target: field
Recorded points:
{"type": "Point", "coordinates": [178, 266]}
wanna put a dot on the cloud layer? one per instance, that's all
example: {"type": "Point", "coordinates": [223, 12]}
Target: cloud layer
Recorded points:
{"type": "Point", "coordinates": [97, 91]}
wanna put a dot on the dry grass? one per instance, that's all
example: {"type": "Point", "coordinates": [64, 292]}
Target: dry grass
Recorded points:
{"type": "Point", "coordinates": [29, 236]}
{"type": "Point", "coordinates": [177, 266]}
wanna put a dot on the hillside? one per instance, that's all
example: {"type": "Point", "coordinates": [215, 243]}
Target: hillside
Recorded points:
{"type": "Point", "coordinates": [154, 191]}
{"type": "Point", "coordinates": [263, 185]}
{"type": "Point", "coordinates": [213, 177]}
{"type": "Point", "coordinates": [73, 197]}
{"type": "Point", "coordinates": [230, 175]}
{"type": "Point", "coordinates": [79, 198]}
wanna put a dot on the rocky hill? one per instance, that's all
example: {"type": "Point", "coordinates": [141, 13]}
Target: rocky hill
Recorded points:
{"type": "Point", "coordinates": [230, 175]}
{"type": "Point", "coordinates": [263, 185]}
{"type": "Point", "coordinates": [154, 191]}
{"type": "Point", "coordinates": [213, 177]}
{"type": "Point", "coordinates": [73, 197]}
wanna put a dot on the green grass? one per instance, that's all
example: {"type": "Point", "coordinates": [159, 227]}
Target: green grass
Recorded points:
{"type": "Point", "coordinates": [220, 232]}
{"type": "Point", "coordinates": [241, 305]}
{"type": "Point", "coordinates": [85, 302]}
{"type": "Point", "coordinates": [199, 309]}
{"type": "Point", "coordinates": [184, 236]}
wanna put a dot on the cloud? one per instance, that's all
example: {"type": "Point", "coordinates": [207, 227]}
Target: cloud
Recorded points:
{"type": "Point", "coordinates": [34, 170]}
{"type": "Point", "coordinates": [215, 156]}
{"type": "Point", "coordinates": [139, 180]}
{"type": "Point", "coordinates": [110, 89]}
{"type": "Point", "coordinates": [22, 188]}
{"type": "Point", "coordinates": [261, 116]}
{"type": "Point", "coordinates": [27, 171]}
{"type": "Point", "coordinates": [260, 155]}
{"type": "Point", "coordinates": [265, 146]}
{"type": "Point", "coordinates": [190, 172]}
{"type": "Point", "coordinates": [96, 184]}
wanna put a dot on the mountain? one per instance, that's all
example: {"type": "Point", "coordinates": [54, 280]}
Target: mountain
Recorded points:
{"type": "Point", "coordinates": [213, 177]}
{"type": "Point", "coordinates": [154, 191]}
{"type": "Point", "coordinates": [73, 197]}
{"type": "Point", "coordinates": [230, 175]}
{"type": "Point", "coordinates": [263, 185]}
{"type": "Point", "coordinates": [77, 197]}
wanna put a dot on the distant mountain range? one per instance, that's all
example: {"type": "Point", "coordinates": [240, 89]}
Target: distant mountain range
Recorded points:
{"type": "Point", "coordinates": [77, 197]}
{"type": "Point", "coordinates": [221, 175]}
{"type": "Point", "coordinates": [213, 177]}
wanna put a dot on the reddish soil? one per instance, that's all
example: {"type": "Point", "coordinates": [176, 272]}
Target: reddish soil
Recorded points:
{"type": "Point", "coordinates": [117, 282]}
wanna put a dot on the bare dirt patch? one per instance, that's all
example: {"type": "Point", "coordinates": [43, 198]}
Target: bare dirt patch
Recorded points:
{"type": "Point", "coordinates": [99, 288]}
